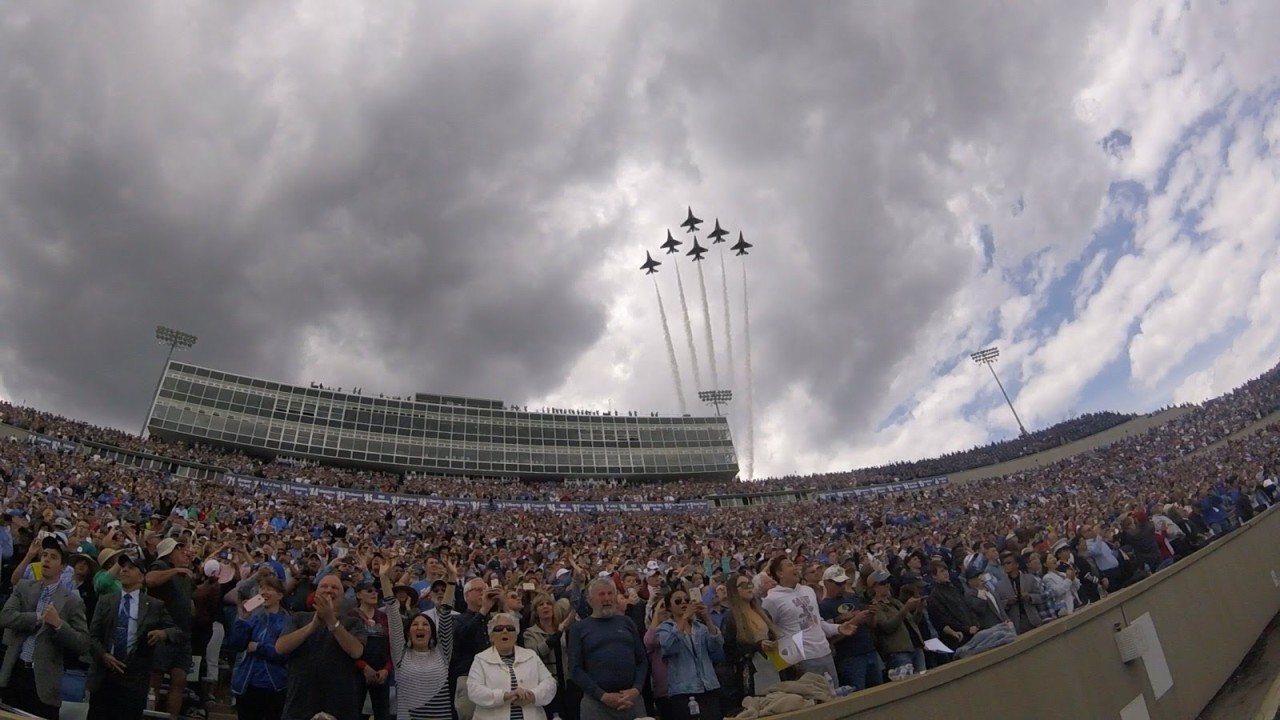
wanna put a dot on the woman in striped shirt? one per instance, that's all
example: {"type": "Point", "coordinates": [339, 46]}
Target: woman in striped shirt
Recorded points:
{"type": "Point", "coordinates": [422, 658]}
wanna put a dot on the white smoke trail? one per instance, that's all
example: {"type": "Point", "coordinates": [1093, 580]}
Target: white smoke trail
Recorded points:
{"type": "Point", "coordinates": [751, 420]}
{"type": "Point", "coordinates": [728, 322]}
{"type": "Point", "coordinates": [711, 341]}
{"type": "Point", "coordinates": [688, 329]}
{"type": "Point", "coordinates": [671, 350]}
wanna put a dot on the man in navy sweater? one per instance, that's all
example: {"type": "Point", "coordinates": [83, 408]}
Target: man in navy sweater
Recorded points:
{"type": "Point", "coordinates": [608, 644]}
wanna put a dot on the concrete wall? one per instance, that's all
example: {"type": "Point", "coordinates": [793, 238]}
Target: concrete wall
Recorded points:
{"type": "Point", "coordinates": [1207, 611]}
{"type": "Point", "coordinates": [8, 431]}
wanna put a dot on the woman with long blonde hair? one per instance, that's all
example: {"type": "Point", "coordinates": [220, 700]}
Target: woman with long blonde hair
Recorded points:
{"type": "Point", "coordinates": [749, 635]}
{"type": "Point", "coordinates": [548, 636]}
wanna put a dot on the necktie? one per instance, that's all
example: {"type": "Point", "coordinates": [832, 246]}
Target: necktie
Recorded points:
{"type": "Point", "coordinates": [121, 649]}
{"type": "Point", "coordinates": [29, 644]}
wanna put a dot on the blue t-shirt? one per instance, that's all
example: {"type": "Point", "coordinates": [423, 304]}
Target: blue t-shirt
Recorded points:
{"type": "Point", "coordinates": [861, 642]}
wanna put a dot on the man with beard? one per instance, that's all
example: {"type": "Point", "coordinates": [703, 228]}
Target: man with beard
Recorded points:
{"type": "Point", "coordinates": [607, 658]}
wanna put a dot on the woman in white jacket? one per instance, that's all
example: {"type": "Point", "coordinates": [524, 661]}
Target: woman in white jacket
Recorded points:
{"type": "Point", "coordinates": [507, 682]}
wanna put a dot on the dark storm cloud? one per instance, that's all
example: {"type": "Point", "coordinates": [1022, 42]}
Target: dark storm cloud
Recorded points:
{"type": "Point", "coordinates": [157, 171]}
{"type": "Point", "coordinates": [402, 177]}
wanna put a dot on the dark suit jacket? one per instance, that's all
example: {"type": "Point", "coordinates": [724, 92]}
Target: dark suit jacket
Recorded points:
{"type": "Point", "coordinates": [947, 608]}
{"type": "Point", "coordinates": [152, 615]}
{"type": "Point", "coordinates": [20, 621]}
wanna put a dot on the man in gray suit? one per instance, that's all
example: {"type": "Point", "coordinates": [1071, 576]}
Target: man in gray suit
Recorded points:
{"type": "Point", "coordinates": [122, 638]}
{"type": "Point", "coordinates": [43, 622]}
{"type": "Point", "coordinates": [1019, 594]}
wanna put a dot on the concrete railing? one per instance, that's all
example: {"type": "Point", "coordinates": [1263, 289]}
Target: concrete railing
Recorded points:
{"type": "Point", "coordinates": [1203, 616]}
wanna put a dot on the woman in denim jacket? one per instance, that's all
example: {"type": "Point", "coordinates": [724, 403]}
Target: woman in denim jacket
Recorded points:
{"type": "Point", "coordinates": [261, 678]}
{"type": "Point", "coordinates": [687, 640]}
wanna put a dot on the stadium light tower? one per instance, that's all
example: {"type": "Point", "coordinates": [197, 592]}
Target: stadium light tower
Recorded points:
{"type": "Point", "coordinates": [715, 397]}
{"type": "Point", "coordinates": [988, 357]}
{"type": "Point", "coordinates": [176, 340]}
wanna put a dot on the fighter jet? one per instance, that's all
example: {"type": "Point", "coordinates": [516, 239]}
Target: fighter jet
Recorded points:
{"type": "Point", "coordinates": [650, 265]}
{"type": "Point", "coordinates": [697, 251]}
{"type": "Point", "coordinates": [671, 244]}
{"type": "Point", "coordinates": [717, 235]}
{"type": "Point", "coordinates": [691, 223]}
{"type": "Point", "coordinates": [740, 248]}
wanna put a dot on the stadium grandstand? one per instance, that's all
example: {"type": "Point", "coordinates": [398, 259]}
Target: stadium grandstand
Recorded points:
{"type": "Point", "coordinates": [433, 434]}
{"type": "Point", "coordinates": [338, 552]}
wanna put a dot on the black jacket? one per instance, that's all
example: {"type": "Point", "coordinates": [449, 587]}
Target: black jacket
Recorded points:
{"type": "Point", "coordinates": [947, 608]}
{"type": "Point", "coordinates": [470, 638]}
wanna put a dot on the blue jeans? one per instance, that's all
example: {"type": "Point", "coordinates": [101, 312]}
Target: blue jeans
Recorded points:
{"type": "Point", "coordinates": [915, 657]}
{"type": "Point", "coordinates": [861, 671]}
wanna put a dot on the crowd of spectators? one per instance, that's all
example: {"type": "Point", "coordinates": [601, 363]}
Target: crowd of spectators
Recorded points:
{"type": "Point", "coordinates": [320, 603]}
{"type": "Point", "coordinates": [1201, 425]}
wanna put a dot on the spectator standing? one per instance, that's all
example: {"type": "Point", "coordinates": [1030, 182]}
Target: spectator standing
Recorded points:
{"type": "Point", "coordinates": [794, 609]}
{"type": "Point", "coordinates": [470, 639]}
{"type": "Point", "coordinates": [262, 677]}
{"type": "Point", "coordinates": [375, 663]}
{"type": "Point", "coordinates": [750, 636]}
{"type": "Point", "coordinates": [897, 625]}
{"type": "Point", "coordinates": [1019, 594]}
{"type": "Point", "coordinates": [688, 639]}
{"type": "Point", "coordinates": [607, 658]}
{"type": "Point", "coordinates": [1059, 585]}
{"type": "Point", "coordinates": [170, 580]}
{"type": "Point", "coordinates": [508, 682]}
{"type": "Point", "coordinates": [548, 636]}
{"type": "Point", "coordinates": [126, 628]}
{"type": "Point", "coordinates": [421, 659]}
{"type": "Point", "coordinates": [951, 615]}
{"type": "Point", "coordinates": [322, 648]}
{"type": "Point", "coordinates": [658, 694]}
{"type": "Point", "coordinates": [858, 665]}
{"type": "Point", "coordinates": [43, 623]}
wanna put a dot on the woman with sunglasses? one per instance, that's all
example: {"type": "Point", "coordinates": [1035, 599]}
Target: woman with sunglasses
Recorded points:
{"type": "Point", "coordinates": [688, 639]}
{"type": "Point", "coordinates": [421, 660]}
{"type": "Point", "coordinates": [749, 636]}
{"type": "Point", "coordinates": [508, 682]}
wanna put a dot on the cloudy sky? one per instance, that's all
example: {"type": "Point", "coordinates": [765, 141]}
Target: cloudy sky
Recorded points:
{"type": "Point", "coordinates": [456, 198]}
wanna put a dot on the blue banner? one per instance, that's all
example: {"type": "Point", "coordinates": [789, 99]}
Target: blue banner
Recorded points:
{"type": "Point", "coordinates": [62, 446]}
{"type": "Point", "coordinates": [905, 486]}
{"type": "Point", "coordinates": [245, 482]}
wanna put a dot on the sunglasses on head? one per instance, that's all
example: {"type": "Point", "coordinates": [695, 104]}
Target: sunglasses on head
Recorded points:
{"type": "Point", "coordinates": [503, 629]}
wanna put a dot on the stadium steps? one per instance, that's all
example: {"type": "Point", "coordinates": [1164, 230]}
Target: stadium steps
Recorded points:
{"type": "Point", "coordinates": [1245, 431]}
{"type": "Point", "coordinates": [1137, 426]}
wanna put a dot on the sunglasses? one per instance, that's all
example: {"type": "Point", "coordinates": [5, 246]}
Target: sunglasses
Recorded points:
{"type": "Point", "coordinates": [744, 586]}
{"type": "Point", "coordinates": [503, 629]}
{"type": "Point", "coordinates": [679, 601]}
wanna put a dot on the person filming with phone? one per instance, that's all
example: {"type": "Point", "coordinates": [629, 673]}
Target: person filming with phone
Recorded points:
{"type": "Point", "coordinates": [471, 637]}
{"type": "Point", "coordinates": [259, 682]}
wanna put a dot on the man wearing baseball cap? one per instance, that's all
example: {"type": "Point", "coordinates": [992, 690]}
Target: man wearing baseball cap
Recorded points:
{"type": "Point", "coordinates": [858, 665]}
{"type": "Point", "coordinates": [170, 580]}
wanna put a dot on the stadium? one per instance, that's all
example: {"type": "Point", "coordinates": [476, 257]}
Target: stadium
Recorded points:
{"type": "Point", "coordinates": [700, 312]}
{"type": "Point", "coordinates": [1169, 493]}
{"type": "Point", "coordinates": [433, 434]}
